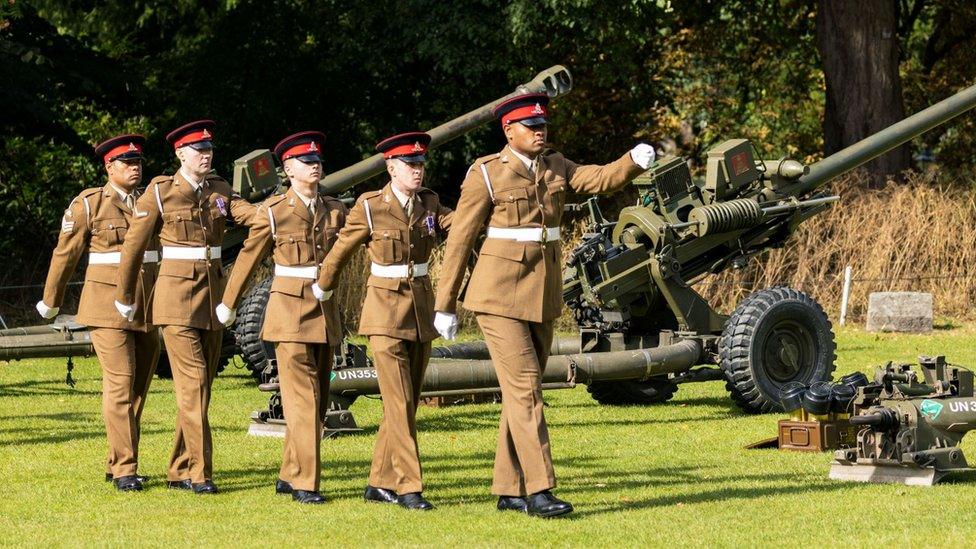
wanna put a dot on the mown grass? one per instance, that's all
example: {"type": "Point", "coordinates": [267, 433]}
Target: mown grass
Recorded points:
{"type": "Point", "coordinates": [671, 475]}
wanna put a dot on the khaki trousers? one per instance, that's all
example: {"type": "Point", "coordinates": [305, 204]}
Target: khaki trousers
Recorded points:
{"type": "Point", "coordinates": [128, 360]}
{"type": "Point", "coordinates": [400, 367]}
{"type": "Point", "coordinates": [519, 350]}
{"type": "Point", "coordinates": [303, 375]}
{"type": "Point", "coordinates": [193, 354]}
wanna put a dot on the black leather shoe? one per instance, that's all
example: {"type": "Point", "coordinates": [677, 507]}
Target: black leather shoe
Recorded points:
{"type": "Point", "coordinates": [282, 487]}
{"type": "Point", "coordinates": [307, 496]}
{"type": "Point", "coordinates": [179, 484]}
{"type": "Point", "coordinates": [414, 500]}
{"type": "Point", "coordinates": [544, 504]}
{"type": "Point", "coordinates": [129, 483]}
{"type": "Point", "coordinates": [512, 503]}
{"type": "Point", "coordinates": [109, 478]}
{"type": "Point", "coordinates": [205, 487]}
{"type": "Point", "coordinates": [379, 495]}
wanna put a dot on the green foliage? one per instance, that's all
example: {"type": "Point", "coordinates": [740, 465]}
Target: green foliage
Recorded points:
{"type": "Point", "coordinates": [685, 74]}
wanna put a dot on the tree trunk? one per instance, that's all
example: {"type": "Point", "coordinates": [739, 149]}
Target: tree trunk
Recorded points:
{"type": "Point", "coordinates": [858, 46]}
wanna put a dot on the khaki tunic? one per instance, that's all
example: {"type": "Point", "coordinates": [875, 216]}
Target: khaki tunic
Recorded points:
{"type": "Point", "coordinates": [293, 312]}
{"type": "Point", "coordinates": [97, 221]}
{"type": "Point", "coordinates": [186, 291]}
{"type": "Point", "coordinates": [521, 280]}
{"type": "Point", "coordinates": [402, 308]}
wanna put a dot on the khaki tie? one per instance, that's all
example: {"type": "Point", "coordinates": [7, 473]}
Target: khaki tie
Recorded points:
{"type": "Point", "coordinates": [311, 208]}
{"type": "Point", "coordinates": [130, 201]}
{"type": "Point", "coordinates": [409, 207]}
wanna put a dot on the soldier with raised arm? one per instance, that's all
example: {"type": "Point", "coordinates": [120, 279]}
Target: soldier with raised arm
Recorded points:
{"type": "Point", "coordinates": [297, 228]}
{"type": "Point", "coordinates": [399, 224]}
{"type": "Point", "coordinates": [515, 289]}
{"type": "Point", "coordinates": [188, 212]}
{"type": "Point", "coordinates": [95, 225]}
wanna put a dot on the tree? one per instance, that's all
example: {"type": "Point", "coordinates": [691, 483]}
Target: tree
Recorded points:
{"type": "Point", "coordinates": [858, 45]}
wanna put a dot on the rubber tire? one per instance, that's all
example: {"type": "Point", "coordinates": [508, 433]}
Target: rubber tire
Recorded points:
{"type": "Point", "coordinates": [247, 330]}
{"type": "Point", "coordinates": [227, 351]}
{"type": "Point", "coordinates": [629, 392]}
{"type": "Point", "coordinates": [750, 386]}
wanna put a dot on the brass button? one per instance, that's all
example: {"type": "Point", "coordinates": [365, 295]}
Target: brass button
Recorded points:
{"type": "Point", "coordinates": [411, 245]}
{"type": "Point", "coordinates": [110, 226]}
{"type": "Point", "coordinates": [316, 228]}
{"type": "Point", "coordinates": [318, 246]}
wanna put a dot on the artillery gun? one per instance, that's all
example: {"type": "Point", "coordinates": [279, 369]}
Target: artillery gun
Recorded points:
{"type": "Point", "coordinates": [643, 327]}
{"type": "Point", "coordinates": [911, 429]}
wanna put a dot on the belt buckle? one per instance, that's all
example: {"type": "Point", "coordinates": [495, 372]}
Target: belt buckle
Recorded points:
{"type": "Point", "coordinates": [544, 237]}
{"type": "Point", "coordinates": [206, 253]}
{"type": "Point", "coordinates": [410, 269]}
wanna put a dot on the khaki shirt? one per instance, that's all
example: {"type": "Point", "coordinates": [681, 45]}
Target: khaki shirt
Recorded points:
{"type": "Point", "coordinates": [396, 307]}
{"type": "Point", "coordinates": [521, 280]}
{"type": "Point", "coordinates": [97, 220]}
{"type": "Point", "coordinates": [187, 291]}
{"type": "Point", "coordinates": [293, 312]}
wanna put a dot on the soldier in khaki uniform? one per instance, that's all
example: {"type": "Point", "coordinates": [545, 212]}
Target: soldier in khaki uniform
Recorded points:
{"type": "Point", "coordinates": [515, 288]}
{"type": "Point", "coordinates": [188, 212]}
{"type": "Point", "coordinates": [96, 222]}
{"type": "Point", "coordinates": [399, 225]}
{"type": "Point", "coordinates": [297, 229]}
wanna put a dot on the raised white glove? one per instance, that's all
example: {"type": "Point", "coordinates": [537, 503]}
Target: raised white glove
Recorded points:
{"type": "Point", "coordinates": [319, 293]}
{"type": "Point", "coordinates": [127, 311]}
{"type": "Point", "coordinates": [642, 155]}
{"type": "Point", "coordinates": [45, 311]}
{"type": "Point", "coordinates": [226, 316]}
{"type": "Point", "coordinates": [446, 324]}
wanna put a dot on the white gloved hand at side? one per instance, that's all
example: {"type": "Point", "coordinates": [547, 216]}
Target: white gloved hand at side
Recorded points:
{"type": "Point", "coordinates": [446, 324]}
{"type": "Point", "coordinates": [319, 293]}
{"type": "Point", "coordinates": [127, 311]}
{"type": "Point", "coordinates": [225, 315]}
{"type": "Point", "coordinates": [643, 155]}
{"type": "Point", "coordinates": [45, 311]}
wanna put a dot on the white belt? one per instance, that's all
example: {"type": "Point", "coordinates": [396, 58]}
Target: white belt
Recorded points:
{"type": "Point", "coordinates": [310, 273]}
{"type": "Point", "coordinates": [114, 258]}
{"type": "Point", "coordinates": [398, 271]}
{"type": "Point", "coordinates": [531, 234]}
{"type": "Point", "coordinates": [191, 252]}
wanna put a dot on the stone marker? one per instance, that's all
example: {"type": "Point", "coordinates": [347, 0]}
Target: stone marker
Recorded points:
{"type": "Point", "coordinates": [909, 312]}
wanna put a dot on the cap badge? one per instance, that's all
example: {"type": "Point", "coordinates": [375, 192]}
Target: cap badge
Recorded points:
{"type": "Point", "coordinates": [132, 146]}
{"type": "Point", "coordinates": [312, 146]}
{"type": "Point", "coordinates": [417, 147]}
{"type": "Point", "coordinates": [538, 109]}
{"type": "Point", "coordinates": [205, 134]}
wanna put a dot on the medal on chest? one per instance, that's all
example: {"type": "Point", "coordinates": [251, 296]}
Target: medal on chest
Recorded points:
{"type": "Point", "coordinates": [221, 205]}
{"type": "Point", "coordinates": [429, 223]}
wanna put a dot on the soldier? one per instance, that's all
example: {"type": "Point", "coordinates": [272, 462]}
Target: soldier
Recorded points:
{"type": "Point", "coordinates": [297, 228]}
{"type": "Point", "coordinates": [188, 212]}
{"type": "Point", "coordinates": [96, 222]}
{"type": "Point", "coordinates": [515, 288]}
{"type": "Point", "coordinates": [399, 225]}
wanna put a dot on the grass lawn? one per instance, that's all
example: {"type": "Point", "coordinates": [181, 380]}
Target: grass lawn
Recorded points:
{"type": "Point", "coordinates": [674, 474]}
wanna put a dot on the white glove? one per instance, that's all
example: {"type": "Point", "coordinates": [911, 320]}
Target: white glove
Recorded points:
{"type": "Point", "coordinates": [226, 316]}
{"type": "Point", "coordinates": [47, 312]}
{"type": "Point", "coordinates": [642, 155]}
{"type": "Point", "coordinates": [446, 324]}
{"type": "Point", "coordinates": [319, 293]}
{"type": "Point", "coordinates": [127, 311]}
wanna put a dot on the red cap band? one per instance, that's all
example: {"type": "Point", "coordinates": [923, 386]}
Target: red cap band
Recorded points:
{"type": "Point", "coordinates": [522, 113]}
{"type": "Point", "coordinates": [406, 149]}
{"type": "Point", "coordinates": [298, 150]}
{"type": "Point", "coordinates": [122, 149]}
{"type": "Point", "coordinates": [193, 137]}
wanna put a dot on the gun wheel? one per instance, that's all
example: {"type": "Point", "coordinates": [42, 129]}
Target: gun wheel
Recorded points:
{"type": "Point", "coordinates": [247, 330]}
{"type": "Point", "coordinates": [774, 337]}
{"type": "Point", "coordinates": [625, 392]}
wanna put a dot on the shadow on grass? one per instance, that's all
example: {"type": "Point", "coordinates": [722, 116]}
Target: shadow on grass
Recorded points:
{"type": "Point", "coordinates": [66, 436]}
{"type": "Point", "coordinates": [39, 387]}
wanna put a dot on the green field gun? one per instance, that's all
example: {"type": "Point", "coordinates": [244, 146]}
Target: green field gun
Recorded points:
{"type": "Point", "coordinates": [910, 429]}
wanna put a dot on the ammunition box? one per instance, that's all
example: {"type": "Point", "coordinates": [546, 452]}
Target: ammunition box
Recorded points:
{"type": "Point", "coordinates": [816, 436]}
